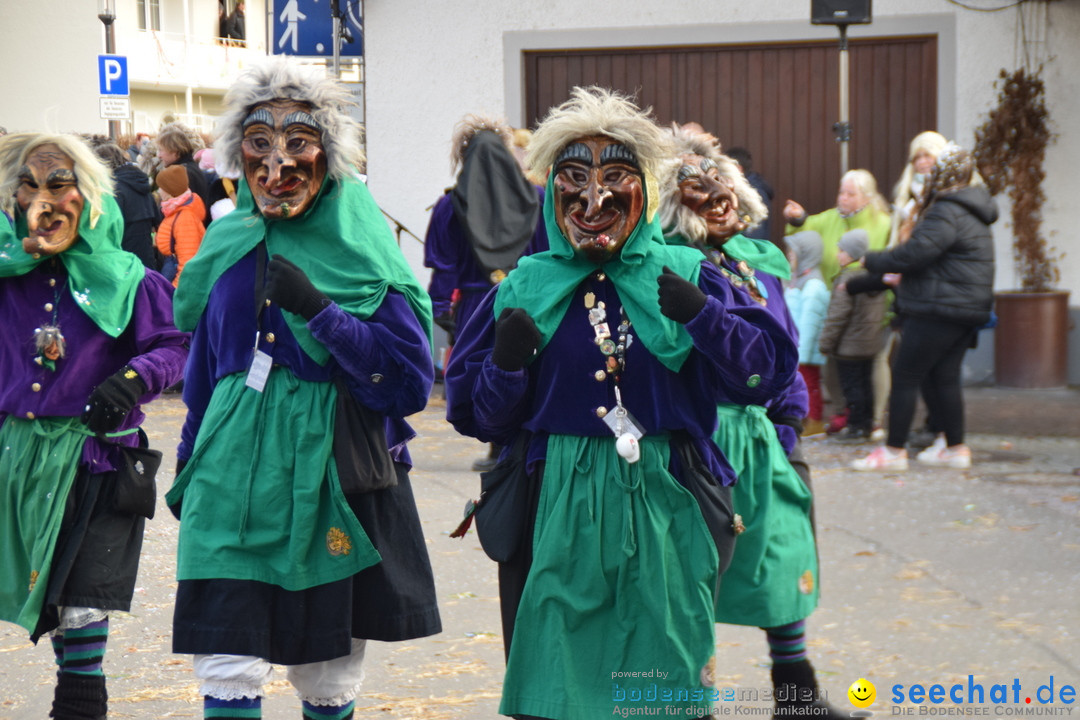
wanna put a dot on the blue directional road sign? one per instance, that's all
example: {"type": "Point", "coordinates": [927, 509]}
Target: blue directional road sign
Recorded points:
{"type": "Point", "coordinates": [113, 75]}
{"type": "Point", "coordinates": [306, 27]}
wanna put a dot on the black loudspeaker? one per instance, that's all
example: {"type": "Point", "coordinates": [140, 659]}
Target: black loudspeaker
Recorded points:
{"type": "Point", "coordinates": [839, 12]}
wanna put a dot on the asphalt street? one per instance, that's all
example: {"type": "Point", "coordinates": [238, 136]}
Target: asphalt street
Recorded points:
{"type": "Point", "coordinates": [928, 577]}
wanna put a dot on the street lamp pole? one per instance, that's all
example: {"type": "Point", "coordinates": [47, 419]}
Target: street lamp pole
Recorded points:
{"type": "Point", "coordinates": [106, 14]}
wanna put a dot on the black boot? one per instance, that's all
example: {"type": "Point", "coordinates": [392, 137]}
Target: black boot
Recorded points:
{"type": "Point", "coordinates": [796, 692]}
{"type": "Point", "coordinates": [80, 697]}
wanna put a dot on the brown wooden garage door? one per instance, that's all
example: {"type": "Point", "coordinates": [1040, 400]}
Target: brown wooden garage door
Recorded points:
{"type": "Point", "coordinates": [777, 100]}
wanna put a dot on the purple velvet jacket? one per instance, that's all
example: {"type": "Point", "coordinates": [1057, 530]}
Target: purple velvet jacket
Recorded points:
{"type": "Point", "coordinates": [741, 354]}
{"type": "Point", "coordinates": [453, 263]}
{"type": "Point", "coordinates": [151, 344]}
{"type": "Point", "coordinates": [386, 360]}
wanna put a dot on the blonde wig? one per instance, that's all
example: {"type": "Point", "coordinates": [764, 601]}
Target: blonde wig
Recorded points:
{"type": "Point", "coordinates": [599, 111]}
{"type": "Point", "coordinates": [280, 78]}
{"type": "Point", "coordinates": [467, 127]}
{"type": "Point", "coordinates": [92, 177]}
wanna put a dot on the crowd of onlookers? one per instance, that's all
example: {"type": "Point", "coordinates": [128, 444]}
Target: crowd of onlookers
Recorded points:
{"type": "Point", "coordinates": [169, 191]}
{"type": "Point", "coordinates": [888, 301]}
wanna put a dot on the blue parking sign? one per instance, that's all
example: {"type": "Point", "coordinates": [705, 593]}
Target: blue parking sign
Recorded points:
{"type": "Point", "coordinates": [113, 74]}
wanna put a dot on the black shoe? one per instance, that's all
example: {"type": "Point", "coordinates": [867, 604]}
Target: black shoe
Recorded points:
{"type": "Point", "coordinates": [853, 436]}
{"type": "Point", "coordinates": [796, 692]}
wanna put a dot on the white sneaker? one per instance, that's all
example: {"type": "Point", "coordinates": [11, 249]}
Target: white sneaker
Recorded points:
{"type": "Point", "coordinates": [958, 457]}
{"type": "Point", "coordinates": [877, 434]}
{"type": "Point", "coordinates": [882, 458]}
{"type": "Point", "coordinates": [932, 450]}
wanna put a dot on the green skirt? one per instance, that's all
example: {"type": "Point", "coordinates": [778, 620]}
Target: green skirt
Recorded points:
{"type": "Point", "coordinates": [38, 463]}
{"type": "Point", "coordinates": [261, 497]}
{"type": "Point", "coordinates": [773, 575]}
{"type": "Point", "coordinates": [617, 610]}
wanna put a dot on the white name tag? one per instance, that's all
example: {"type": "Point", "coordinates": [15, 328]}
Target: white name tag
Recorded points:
{"type": "Point", "coordinates": [259, 371]}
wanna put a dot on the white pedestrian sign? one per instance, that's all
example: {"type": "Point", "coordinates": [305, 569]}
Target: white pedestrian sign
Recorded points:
{"type": "Point", "coordinates": [306, 28]}
{"type": "Point", "coordinates": [290, 17]}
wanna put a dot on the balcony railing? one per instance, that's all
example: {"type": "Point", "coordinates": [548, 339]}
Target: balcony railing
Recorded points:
{"type": "Point", "coordinates": [165, 59]}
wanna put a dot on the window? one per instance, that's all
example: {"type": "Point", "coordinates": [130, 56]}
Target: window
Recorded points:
{"type": "Point", "coordinates": [149, 14]}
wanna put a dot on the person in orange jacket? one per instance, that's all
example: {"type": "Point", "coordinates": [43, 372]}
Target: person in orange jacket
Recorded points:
{"type": "Point", "coordinates": [181, 232]}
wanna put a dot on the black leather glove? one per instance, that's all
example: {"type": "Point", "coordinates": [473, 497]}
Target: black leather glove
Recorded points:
{"type": "Point", "coordinates": [289, 287]}
{"type": "Point", "coordinates": [446, 322]}
{"type": "Point", "coordinates": [680, 300]}
{"type": "Point", "coordinates": [516, 339]}
{"type": "Point", "coordinates": [175, 509]}
{"type": "Point", "coordinates": [111, 401]}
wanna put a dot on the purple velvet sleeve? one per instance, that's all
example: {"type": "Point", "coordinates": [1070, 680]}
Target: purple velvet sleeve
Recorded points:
{"type": "Point", "coordinates": [385, 359]}
{"type": "Point", "coordinates": [752, 351]}
{"type": "Point", "coordinates": [443, 245]}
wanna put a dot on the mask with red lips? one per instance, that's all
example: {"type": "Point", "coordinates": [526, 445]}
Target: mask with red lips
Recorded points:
{"type": "Point", "coordinates": [48, 194]}
{"type": "Point", "coordinates": [711, 196]}
{"type": "Point", "coordinates": [599, 193]}
{"type": "Point", "coordinates": [284, 159]}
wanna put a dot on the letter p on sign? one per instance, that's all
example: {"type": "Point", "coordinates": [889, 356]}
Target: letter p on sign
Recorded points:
{"type": "Point", "coordinates": [113, 75]}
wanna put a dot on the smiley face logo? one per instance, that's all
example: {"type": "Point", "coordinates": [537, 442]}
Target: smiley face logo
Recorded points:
{"type": "Point", "coordinates": [862, 693]}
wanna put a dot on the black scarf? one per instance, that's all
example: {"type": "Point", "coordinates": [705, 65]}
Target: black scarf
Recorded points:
{"type": "Point", "coordinates": [497, 207]}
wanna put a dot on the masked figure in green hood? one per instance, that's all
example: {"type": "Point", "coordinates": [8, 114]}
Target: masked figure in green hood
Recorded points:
{"type": "Point", "coordinates": [88, 339]}
{"type": "Point", "coordinates": [300, 538]}
{"type": "Point", "coordinates": [772, 581]}
{"type": "Point", "coordinates": [600, 364]}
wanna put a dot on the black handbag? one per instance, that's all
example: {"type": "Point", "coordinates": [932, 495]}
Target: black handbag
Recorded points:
{"type": "Point", "coordinates": [136, 485]}
{"type": "Point", "coordinates": [713, 498]}
{"type": "Point", "coordinates": [363, 460]}
{"type": "Point", "coordinates": [502, 512]}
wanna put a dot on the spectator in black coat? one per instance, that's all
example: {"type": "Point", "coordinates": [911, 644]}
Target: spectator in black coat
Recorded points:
{"type": "Point", "coordinates": [945, 295]}
{"type": "Point", "coordinates": [141, 213]}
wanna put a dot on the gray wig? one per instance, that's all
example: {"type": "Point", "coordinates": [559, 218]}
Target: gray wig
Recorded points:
{"type": "Point", "coordinates": [279, 78]}
{"type": "Point", "coordinates": [675, 217]}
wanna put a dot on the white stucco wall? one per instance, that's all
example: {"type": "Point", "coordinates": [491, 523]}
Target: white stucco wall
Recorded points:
{"type": "Point", "coordinates": [49, 59]}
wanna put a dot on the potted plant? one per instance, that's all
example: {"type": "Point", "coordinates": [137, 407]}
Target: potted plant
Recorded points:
{"type": "Point", "coordinates": [1030, 342]}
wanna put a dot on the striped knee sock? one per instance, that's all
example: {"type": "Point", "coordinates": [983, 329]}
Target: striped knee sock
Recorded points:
{"type": "Point", "coordinates": [242, 708]}
{"type": "Point", "coordinates": [57, 641]}
{"type": "Point", "coordinates": [84, 648]}
{"type": "Point", "coordinates": [787, 643]}
{"type": "Point", "coordinates": [329, 712]}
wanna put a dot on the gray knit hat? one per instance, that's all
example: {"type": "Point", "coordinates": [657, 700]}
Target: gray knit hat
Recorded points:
{"type": "Point", "coordinates": [854, 243]}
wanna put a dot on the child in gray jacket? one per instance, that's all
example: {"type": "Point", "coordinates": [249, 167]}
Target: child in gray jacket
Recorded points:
{"type": "Point", "coordinates": [853, 335]}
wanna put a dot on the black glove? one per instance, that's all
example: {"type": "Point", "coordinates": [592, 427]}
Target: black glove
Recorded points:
{"type": "Point", "coordinates": [175, 509]}
{"type": "Point", "coordinates": [516, 339]}
{"type": "Point", "coordinates": [111, 401]}
{"type": "Point", "coordinates": [289, 287]}
{"type": "Point", "coordinates": [446, 322]}
{"type": "Point", "coordinates": [680, 300]}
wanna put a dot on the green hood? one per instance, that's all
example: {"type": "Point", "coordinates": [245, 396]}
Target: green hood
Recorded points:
{"type": "Point", "coordinates": [543, 284]}
{"type": "Point", "coordinates": [102, 277]}
{"type": "Point", "coordinates": [341, 241]}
